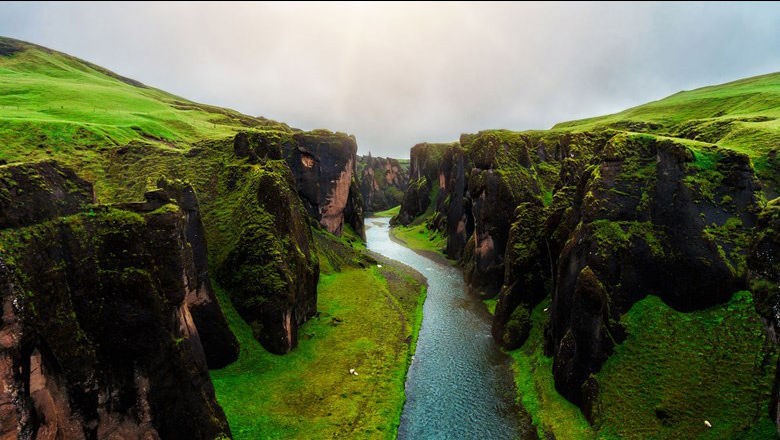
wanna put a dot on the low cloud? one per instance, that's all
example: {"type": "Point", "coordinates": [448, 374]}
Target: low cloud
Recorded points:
{"type": "Point", "coordinates": [397, 74]}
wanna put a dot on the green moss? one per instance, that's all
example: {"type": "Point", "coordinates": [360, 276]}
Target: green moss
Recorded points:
{"type": "Point", "coordinates": [491, 305]}
{"type": "Point", "coordinates": [392, 212]}
{"type": "Point", "coordinates": [549, 411]}
{"type": "Point", "coordinates": [676, 370]}
{"type": "Point", "coordinates": [420, 237]}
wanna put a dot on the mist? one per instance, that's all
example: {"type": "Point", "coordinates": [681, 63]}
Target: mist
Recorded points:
{"type": "Point", "coordinates": [398, 74]}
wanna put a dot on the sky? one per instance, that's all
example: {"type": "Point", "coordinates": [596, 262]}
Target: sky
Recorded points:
{"type": "Point", "coordinates": [398, 74]}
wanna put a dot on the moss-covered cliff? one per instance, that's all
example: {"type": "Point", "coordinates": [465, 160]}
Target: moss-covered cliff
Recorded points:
{"type": "Point", "coordinates": [383, 182]}
{"type": "Point", "coordinates": [578, 227]}
{"type": "Point", "coordinates": [99, 338]}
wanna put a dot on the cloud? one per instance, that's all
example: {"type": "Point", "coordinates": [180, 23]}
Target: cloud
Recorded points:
{"type": "Point", "coordinates": [397, 74]}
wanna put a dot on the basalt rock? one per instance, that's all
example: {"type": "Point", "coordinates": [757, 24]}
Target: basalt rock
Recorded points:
{"type": "Point", "coordinates": [219, 343]}
{"type": "Point", "coordinates": [97, 338]}
{"type": "Point", "coordinates": [35, 192]}
{"type": "Point", "coordinates": [457, 209]}
{"type": "Point", "coordinates": [324, 167]}
{"type": "Point", "coordinates": [383, 182]}
{"type": "Point", "coordinates": [427, 182]}
{"type": "Point", "coordinates": [269, 264]}
{"type": "Point", "coordinates": [650, 220]}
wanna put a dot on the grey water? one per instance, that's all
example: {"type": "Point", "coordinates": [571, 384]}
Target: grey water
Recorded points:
{"type": "Point", "coordinates": [459, 384]}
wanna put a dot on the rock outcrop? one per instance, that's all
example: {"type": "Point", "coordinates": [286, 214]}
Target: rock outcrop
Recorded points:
{"type": "Point", "coordinates": [268, 262]}
{"type": "Point", "coordinates": [597, 221]}
{"type": "Point", "coordinates": [383, 182]}
{"type": "Point", "coordinates": [324, 165]}
{"type": "Point", "coordinates": [426, 182]}
{"type": "Point", "coordinates": [97, 337]}
{"type": "Point", "coordinates": [651, 219]}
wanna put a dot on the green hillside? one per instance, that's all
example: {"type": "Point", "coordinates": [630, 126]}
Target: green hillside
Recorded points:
{"type": "Point", "coordinates": [55, 105]}
{"type": "Point", "coordinates": [740, 115]}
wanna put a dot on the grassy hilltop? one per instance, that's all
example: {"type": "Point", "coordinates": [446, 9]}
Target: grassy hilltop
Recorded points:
{"type": "Point", "coordinates": [53, 105]}
{"type": "Point", "coordinates": [740, 115]}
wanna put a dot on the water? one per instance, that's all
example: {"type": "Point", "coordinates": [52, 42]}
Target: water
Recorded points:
{"type": "Point", "coordinates": [459, 384]}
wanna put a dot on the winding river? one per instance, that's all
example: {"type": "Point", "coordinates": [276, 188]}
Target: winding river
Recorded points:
{"type": "Point", "coordinates": [459, 384]}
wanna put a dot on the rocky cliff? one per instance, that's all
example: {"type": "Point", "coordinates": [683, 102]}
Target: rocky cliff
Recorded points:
{"type": "Point", "coordinates": [594, 222]}
{"type": "Point", "coordinates": [383, 182]}
{"type": "Point", "coordinates": [98, 336]}
{"type": "Point", "coordinates": [324, 165]}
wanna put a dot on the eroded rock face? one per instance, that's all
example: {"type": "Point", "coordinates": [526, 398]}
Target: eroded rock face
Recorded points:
{"type": "Point", "coordinates": [323, 164]}
{"type": "Point", "coordinates": [219, 343]}
{"type": "Point", "coordinates": [649, 220]}
{"type": "Point", "coordinates": [35, 192]}
{"type": "Point", "coordinates": [269, 265]}
{"type": "Point", "coordinates": [97, 337]}
{"type": "Point", "coordinates": [427, 181]}
{"type": "Point", "coordinates": [383, 182]}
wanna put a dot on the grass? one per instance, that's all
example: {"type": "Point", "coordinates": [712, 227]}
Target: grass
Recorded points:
{"type": "Point", "coordinates": [676, 370]}
{"type": "Point", "coordinates": [53, 105]}
{"type": "Point", "coordinates": [550, 412]}
{"type": "Point", "coordinates": [419, 237]}
{"type": "Point", "coordinates": [366, 316]}
{"type": "Point", "coordinates": [392, 212]}
{"type": "Point", "coordinates": [742, 115]}
{"type": "Point", "coordinates": [716, 364]}
{"type": "Point", "coordinates": [491, 305]}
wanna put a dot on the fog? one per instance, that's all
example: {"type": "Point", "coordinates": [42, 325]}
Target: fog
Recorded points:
{"type": "Point", "coordinates": [398, 74]}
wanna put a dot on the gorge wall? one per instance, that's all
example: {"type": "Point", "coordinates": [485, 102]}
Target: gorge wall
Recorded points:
{"type": "Point", "coordinates": [594, 221]}
{"type": "Point", "coordinates": [103, 308]}
{"type": "Point", "coordinates": [383, 182]}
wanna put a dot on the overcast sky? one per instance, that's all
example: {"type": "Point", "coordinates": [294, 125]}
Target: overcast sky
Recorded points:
{"type": "Point", "coordinates": [398, 74]}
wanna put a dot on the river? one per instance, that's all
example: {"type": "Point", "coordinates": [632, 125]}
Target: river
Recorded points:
{"type": "Point", "coordinates": [459, 384]}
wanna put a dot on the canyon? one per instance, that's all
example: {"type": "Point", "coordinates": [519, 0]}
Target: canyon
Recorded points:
{"type": "Point", "coordinates": [170, 269]}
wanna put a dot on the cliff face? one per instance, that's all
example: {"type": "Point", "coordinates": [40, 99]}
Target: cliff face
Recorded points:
{"type": "Point", "coordinates": [764, 274]}
{"type": "Point", "coordinates": [650, 219]}
{"type": "Point", "coordinates": [426, 180]}
{"type": "Point", "coordinates": [97, 338]}
{"type": "Point", "coordinates": [596, 222]}
{"type": "Point", "coordinates": [324, 165]}
{"type": "Point", "coordinates": [383, 182]}
{"type": "Point", "coordinates": [268, 263]}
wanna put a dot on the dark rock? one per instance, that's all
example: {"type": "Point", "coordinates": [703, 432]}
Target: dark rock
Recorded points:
{"type": "Point", "coordinates": [34, 192]}
{"type": "Point", "coordinates": [383, 182]}
{"type": "Point", "coordinates": [764, 274]}
{"type": "Point", "coordinates": [427, 182]}
{"type": "Point", "coordinates": [648, 221]}
{"type": "Point", "coordinates": [97, 339]}
{"type": "Point", "coordinates": [269, 265]}
{"type": "Point", "coordinates": [324, 165]}
{"type": "Point", "coordinates": [219, 343]}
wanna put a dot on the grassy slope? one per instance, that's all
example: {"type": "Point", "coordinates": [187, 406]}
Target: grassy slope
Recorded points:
{"type": "Point", "coordinates": [420, 237]}
{"type": "Point", "coordinates": [54, 105]}
{"type": "Point", "coordinates": [392, 212]}
{"type": "Point", "coordinates": [715, 364]}
{"type": "Point", "coordinates": [365, 316]}
{"type": "Point", "coordinates": [741, 115]}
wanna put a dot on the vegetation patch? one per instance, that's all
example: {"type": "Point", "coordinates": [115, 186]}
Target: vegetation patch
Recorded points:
{"type": "Point", "coordinates": [550, 412]}
{"type": "Point", "coordinates": [676, 370]}
{"type": "Point", "coordinates": [367, 322]}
